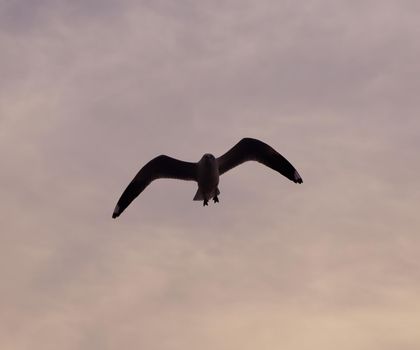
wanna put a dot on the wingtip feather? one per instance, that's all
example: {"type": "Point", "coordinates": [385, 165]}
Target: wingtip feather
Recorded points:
{"type": "Point", "coordinates": [116, 212]}
{"type": "Point", "coordinates": [297, 178]}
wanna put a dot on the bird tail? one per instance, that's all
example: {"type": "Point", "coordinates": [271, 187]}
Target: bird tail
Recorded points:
{"type": "Point", "coordinates": [198, 196]}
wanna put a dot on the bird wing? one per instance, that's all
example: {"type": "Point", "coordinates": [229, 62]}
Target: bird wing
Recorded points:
{"type": "Point", "coordinates": [252, 149]}
{"type": "Point", "coordinates": [158, 168]}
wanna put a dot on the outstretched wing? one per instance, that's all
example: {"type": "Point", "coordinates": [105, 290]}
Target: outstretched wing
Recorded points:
{"type": "Point", "coordinates": [159, 167]}
{"type": "Point", "coordinates": [252, 149]}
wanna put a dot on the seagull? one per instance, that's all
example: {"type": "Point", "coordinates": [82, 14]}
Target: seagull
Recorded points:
{"type": "Point", "coordinates": [206, 171]}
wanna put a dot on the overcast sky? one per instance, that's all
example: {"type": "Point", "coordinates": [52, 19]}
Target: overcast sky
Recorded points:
{"type": "Point", "coordinates": [91, 90]}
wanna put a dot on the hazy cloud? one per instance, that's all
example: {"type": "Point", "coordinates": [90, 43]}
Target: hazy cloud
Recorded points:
{"type": "Point", "coordinates": [91, 90]}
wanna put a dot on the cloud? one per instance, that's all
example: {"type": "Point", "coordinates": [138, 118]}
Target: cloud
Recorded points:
{"type": "Point", "coordinates": [91, 90]}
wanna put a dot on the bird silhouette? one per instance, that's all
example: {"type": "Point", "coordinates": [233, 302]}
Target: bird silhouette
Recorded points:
{"type": "Point", "coordinates": [206, 171]}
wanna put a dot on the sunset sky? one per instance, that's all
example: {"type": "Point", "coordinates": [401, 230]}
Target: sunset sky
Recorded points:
{"type": "Point", "coordinates": [91, 90]}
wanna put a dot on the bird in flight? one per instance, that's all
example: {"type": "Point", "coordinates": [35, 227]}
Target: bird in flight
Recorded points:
{"type": "Point", "coordinates": [206, 171]}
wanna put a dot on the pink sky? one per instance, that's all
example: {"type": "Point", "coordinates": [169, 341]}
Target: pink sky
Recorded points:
{"type": "Point", "coordinates": [91, 90]}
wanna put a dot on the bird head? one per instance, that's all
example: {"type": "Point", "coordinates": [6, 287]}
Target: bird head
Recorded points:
{"type": "Point", "coordinates": [208, 157]}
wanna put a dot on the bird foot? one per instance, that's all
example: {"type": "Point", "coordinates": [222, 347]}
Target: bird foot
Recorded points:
{"type": "Point", "coordinates": [215, 199]}
{"type": "Point", "coordinates": [205, 202]}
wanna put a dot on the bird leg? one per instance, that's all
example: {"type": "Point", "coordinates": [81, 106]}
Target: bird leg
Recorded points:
{"type": "Point", "coordinates": [205, 202]}
{"type": "Point", "coordinates": [215, 199]}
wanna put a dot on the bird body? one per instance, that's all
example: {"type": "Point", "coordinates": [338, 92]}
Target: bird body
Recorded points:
{"type": "Point", "coordinates": [206, 172]}
{"type": "Point", "coordinates": [207, 179]}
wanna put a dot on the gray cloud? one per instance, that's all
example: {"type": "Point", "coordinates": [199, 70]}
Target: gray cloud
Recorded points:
{"type": "Point", "coordinates": [92, 90]}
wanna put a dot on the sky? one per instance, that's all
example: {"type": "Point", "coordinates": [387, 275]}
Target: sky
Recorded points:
{"type": "Point", "coordinates": [91, 90]}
